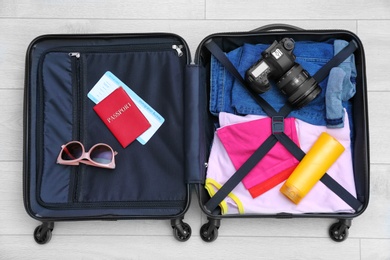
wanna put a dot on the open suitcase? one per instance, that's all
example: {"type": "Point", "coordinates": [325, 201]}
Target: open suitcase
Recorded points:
{"type": "Point", "coordinates": [153, 179]}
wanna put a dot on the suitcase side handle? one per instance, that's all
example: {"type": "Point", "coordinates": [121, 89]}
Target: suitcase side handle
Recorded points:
{"type": "Point", "coordinates": [277, 26]}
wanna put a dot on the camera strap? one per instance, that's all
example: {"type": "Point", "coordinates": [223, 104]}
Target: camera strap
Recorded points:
{"type": "Point", "coordinates": [277, 135]}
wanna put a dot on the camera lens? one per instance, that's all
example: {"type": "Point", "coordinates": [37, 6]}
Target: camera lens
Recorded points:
{"type": "Point", "coordinates": [298, 86]}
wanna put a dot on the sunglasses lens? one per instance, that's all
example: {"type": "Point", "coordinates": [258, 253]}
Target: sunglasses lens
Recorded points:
{"type": "Point", "coordinates": [101, 154]}
{"type": "Point", "coordinates": [72, 151]}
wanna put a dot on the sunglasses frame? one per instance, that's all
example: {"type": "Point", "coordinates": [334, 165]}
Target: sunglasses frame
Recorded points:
{"type": "Point", "coordinates": [85, 156]}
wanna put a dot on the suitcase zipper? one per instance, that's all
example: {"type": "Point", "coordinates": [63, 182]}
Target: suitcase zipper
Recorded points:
{"type": "Point", "coordinates": [77, 51]}
{"type": "Point", "coordinates": [178, 49]}
{"type": "Point", "coordinates": [74, 54]}
{"type": "Point", "coordinates": [76, 172]}
{"type": "Point", "coordinates": [178, 204]}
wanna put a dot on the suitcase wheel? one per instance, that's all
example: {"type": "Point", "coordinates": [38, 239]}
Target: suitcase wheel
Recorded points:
{"type": "Point", "coordinates": [208, 235]}
{"type": "Point", "coordinates": [339, 231]}
{"type": "Point", "coordinates": [209, 231]}
{"type": "Point", "coordinates": [43, 233]}
{"type": "Point", "coordinates": [181, 230]}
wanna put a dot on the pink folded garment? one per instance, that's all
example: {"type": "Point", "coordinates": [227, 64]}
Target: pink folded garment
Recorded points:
{"type": "Point", "coordinates": [319, 200]}
{"type": "Point", "coordinates": [241, 140]}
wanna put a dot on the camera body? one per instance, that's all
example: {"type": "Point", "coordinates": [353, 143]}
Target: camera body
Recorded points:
{"type": "Point", "coordinates": [278, 63]}
{"type": "Point", "coordinates": [277, 60]}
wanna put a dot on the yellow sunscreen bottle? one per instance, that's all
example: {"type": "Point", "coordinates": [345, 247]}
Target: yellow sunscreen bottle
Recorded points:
{"type": "Point", "coordinates": [313, 166]}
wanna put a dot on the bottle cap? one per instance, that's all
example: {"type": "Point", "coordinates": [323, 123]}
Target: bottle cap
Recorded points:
{"type": "Point", "coordinates": [291, 192]}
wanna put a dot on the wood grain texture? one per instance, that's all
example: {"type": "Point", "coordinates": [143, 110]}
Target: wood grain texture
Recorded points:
{"type": "Point", "coordinates": [165, 247]}
{"type": "Point", "coordinates": [375, 249]}
{"type": "Point", "coordinates": [98, 9]}
{"type": "Point", "coordinates": [379, 126]}
{"type": "Point", "coordinates": [11, 124]}
{"type": "Point", "coordinates": [23, 20]}
{"type": "Point", "coordinates": [375, 36]}
{"type": "Point", "coordinates": [303, 9]}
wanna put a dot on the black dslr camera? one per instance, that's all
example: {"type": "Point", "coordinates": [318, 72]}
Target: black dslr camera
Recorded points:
{"type": "Point", "coordinates": [278, 63]}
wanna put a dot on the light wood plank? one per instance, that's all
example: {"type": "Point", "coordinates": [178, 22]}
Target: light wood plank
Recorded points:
{"type": "Point", "coordinates": [11, 124]}
{"type": "Point", "coordinates": [13, 217]}
{"type": "Point", "coordinates": [301, 9]}
{"type": "Point", "coordinates": [115, 9]}
{"type": "Point", "coordinates": [377, 249]}
{"type": "Point", "coordinates": [378, 105]}
{"type": "Point", "coordinates": [163, 247]}
{"type": "Point", "coordinates": [375, 36]}
{"type": "Point", "coordinates": [374, 222]}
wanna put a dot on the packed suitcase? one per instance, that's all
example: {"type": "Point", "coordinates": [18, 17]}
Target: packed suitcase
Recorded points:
{"type": "Point", "coordinates": [266, 123]}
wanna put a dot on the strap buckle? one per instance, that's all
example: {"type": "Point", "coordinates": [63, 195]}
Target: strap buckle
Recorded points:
{"type": "Point", "coordinates": [277, 125]}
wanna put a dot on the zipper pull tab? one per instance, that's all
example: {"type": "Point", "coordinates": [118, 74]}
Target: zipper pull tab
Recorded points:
{"type": "Point", "coordinates": [178, 49]}
{"type": "Point", "coordinates": [74, 54]}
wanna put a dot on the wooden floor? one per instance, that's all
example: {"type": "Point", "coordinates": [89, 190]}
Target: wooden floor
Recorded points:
{"type": "Point", "coordinates": [23, 20]}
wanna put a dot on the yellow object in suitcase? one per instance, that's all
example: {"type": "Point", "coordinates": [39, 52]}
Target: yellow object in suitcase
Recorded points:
{"type": "Point", "coordinates": [324, 152]}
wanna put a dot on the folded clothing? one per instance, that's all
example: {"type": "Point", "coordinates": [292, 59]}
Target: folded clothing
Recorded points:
{"type": "Point", "coordinates": [228, 95]}
{"type": "Point", "coordinates": [241, 140]}
{"type": "Point", "coordinates": [319, 200]}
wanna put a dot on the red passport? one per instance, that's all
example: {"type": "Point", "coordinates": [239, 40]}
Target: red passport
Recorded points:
{"type": "Point", "coordinates": [122, 116]}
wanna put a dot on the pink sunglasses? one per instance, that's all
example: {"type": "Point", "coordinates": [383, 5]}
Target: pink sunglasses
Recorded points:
{"type": "Point", "coordinates": [100, 155]}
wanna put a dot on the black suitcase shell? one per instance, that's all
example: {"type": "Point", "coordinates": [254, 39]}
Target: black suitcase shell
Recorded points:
{"type": "Point", "coordinates": [229, 41]}
{"type": "Point", "coordinates": [155, 180]}
{"type": "Point", "coordinates": [149, 180]}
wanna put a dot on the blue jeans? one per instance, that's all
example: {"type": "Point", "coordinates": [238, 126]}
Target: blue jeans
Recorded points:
{"type": "Point", "coordinates": [340, 88]}
{"type": "Point", "coordinates": [229, 95]}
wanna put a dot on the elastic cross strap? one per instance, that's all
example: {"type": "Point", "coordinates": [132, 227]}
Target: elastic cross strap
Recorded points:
{"type": "Point", "coordinates": [347, 51]}
{"type": "Point", "coordinates": [236, 178]}
{"type": "Point", "coordinates": [341, 192]}
{"type": "Point", "coordinates": [223, 59]}
{"type": "Point", "coordinates": [281, 137]}
{"type": "Point", "coordinates": [326, 178]}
